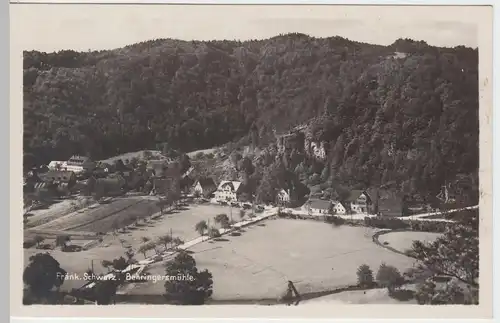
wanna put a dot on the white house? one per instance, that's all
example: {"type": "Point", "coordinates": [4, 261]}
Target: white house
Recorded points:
{"type": "Point", "coordinates": [57, 164]}
{"type": "Point", "coordinates": [283, 197]}
{"type": "Point", "coordinates": [318, 150]}
{"type": "Point", "coordinates": [76, 164]}
{"type": "Point", "coordinates": [339, 208]}
{"type": "Point", "coordinates": [228, 191]}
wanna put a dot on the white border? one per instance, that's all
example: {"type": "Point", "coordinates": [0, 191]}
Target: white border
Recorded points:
{"type": "Point", "coordinates": [421, 2]}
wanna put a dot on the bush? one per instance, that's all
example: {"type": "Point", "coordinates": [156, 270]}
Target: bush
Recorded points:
{"type": "Point", "coordinates": [365, 276]}
{"type": "Point", "coordinates": [386, 223]}
{"type": "Point", "coordinates": [45, 246]}
{"type": "Point", "coordinates": [29, 244]}
{"type": "Point", "coordinates": [428, 226]}
{"type": "Point", "coordinates": [389, 276]}
{"type": "Point", "coordinates": [335, 220]}
{"type": "Point", "coordinates": [403, 295]}
{"type": "Point", "coordinates": [214, 233]}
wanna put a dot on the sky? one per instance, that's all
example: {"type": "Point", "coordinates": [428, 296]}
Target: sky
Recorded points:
{"type": "Point", "coordinates": [52, 27]}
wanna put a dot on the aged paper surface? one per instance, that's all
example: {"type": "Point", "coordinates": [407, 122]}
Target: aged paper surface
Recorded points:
{"type": "Point", "coordinates": [252, 268]}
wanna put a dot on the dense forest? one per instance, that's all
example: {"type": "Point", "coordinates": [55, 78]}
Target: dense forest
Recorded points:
{"type": "Point", "coordinates": [405, 113]}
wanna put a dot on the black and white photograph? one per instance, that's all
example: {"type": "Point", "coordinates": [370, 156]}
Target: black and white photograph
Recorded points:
{"type": "Point", "coordinates": [257, 155]}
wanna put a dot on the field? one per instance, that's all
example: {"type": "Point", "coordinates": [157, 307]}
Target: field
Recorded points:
{"type": "Point", "coordinates": [130, 155]}
{"type": "Point", "coordinates": [52, 211]}
{"type": "Point", "coordinates": [180, 224]}
{"type": "Point", "coordinates": [373, 296]}
{"type": "Point", "coordinates": [120, 211]}
{"type": "Point", "coordinates": [402, 241]}
{"type": "Point", "coordinates": [254, 265]}
{"type": "Point", "coordinates": [257, 265]}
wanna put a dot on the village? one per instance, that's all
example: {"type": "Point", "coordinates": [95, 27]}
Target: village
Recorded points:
{"type": "Point", "coordinates": [133, 214]}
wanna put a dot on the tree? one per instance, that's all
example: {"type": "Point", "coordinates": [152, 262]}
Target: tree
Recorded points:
{"type": "Point", "coordinates": [130, 256]}
{"type": "Point", "coordinates": [145, 239]}
{"type": "Point", "coordinates": [107, 264]}
{"type": "Point", "coordinates": [177, 242]}
{"type": "Point", "coordinates": [165, 240]}
{"type": "Point", "coordinates": [38, 239]}
{"type": "Point", "coordinates": [452, 293]}
{"type": "Point", "coordinates": [115, 226]}
{"type": "Point", "coordinates": [389, 276]}
{"type": "Point", "coordinates": [119, 263]}
{"type": "Point", "coordinates": [184, 163]}
{"type": "Point", "coordinates": [456, 252]}
{"type": "Point", "coordinates": [42, 274]}
{"type": "Point", "coordinates": [62, 241]}
{"type": "Point", "coordinates": [105, 291]}
{"type": "Point", "coordinates": [213, 232]}
{"type": "Point", "coordinates": [195, 287]}
{"type": "Point", "coordinates": [144, 249]}
{"type": "Point", "coordinates": [201, 227]}
{"type": "Point", "coordinates": [365, 276]}
{"type": "Point", "coordinates": [151, 246]}
{"type": "Point", "coordinates": [223, 220]}
{"type": "Point", "coordinates": [242, 214]}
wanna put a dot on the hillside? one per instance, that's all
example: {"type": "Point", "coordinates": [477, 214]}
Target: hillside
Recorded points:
{"type": "Point", "coordinates": [405, 115]}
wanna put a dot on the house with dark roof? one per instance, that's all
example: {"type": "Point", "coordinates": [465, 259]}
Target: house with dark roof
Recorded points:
{"type": "Point", "coordinates": [110, 186]}
{"type": "Point", "coordinates": [390, 205]}
{"type": "Point", "coordinates": [204, 187]}
{"type": "Point", "coordinates": [358, 201]}
{"type": "Point", "coordinates": [319, 206]}
{"type": "Point", "coordinates": [163, 185]}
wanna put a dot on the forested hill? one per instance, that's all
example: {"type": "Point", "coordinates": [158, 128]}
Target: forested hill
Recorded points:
{"type": "Point", "coordinates": [417, 101]}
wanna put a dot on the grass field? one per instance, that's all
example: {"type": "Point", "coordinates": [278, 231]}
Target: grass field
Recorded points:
{"type": "Point", "coordinates": [130, 155]}
{"type": "Point", "coordinates": [101, 218]}
{"type": "Point", "coordinates": [314, 255]}
{"type": "Point", "coordinates": [372, 296]}
{"type": "Point", "coordinates": [52, 211]}
{"type": "Point", "coordinates": [402, 241]}
{"type": "Point", "coordinates": [79, 262]}
{"type": "Point", "coordinates": [180, 224]}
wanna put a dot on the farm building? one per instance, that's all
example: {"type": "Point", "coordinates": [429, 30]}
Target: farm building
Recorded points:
{"type": "Point", "coordinates": [228, 191]}
{"type": "Point", "coordinates": [283, 197]}
{"type": "Point", "coordinates": [358, 201]}
{"type": "Point", "coordinates": [204, 187]}
{"type": "Point", "coordinates": [319, 206]}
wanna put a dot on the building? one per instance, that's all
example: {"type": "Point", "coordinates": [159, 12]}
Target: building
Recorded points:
{"type": "Point", "coordinates": [228, 191]}
{"type": "Point", "coordinates": [59, 176]}
{"type": "Point", "coordinates": [320, 206]}
{"type": "Point", "coordinates": [358, 201]}
{"type": "Point", "coordinates": [110, 186]}
{"type": "Point", "coordinates": [318, 150]}
{"type": "Point", "coordinates": [339, 208]}
{"type": "Point", "coordinates": [283, 197]}
{"type": "Point", "coordinates": [76, 164]}
{"type": "Point", "coordinates": [56, 165]}
{"type": "Point", "coordinates": [204, 187]}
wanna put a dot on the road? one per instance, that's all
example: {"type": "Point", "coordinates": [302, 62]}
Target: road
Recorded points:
{"type": "Point", "coordinates": [361, 216]}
